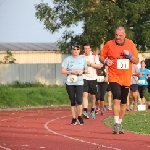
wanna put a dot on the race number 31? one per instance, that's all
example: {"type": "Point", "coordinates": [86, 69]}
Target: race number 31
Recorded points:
{"type": "Point", "coordinates": [122, 63]}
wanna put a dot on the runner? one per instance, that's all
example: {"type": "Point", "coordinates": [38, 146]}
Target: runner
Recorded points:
{"type": "Point", "coordinates": [119, 54]}
{"type": "Point", "coordinates": [109, 95]}
{"type": "Point", "coordinates": [74, 66]}
{"type": "Point", "coordinates": [90, 80]}
{"type": "Point", "coordinates": [142, 81]}
{"type": "Point", "coordinates": [134, 88]}
{"type": "Point", "coordinates": [102, 83]}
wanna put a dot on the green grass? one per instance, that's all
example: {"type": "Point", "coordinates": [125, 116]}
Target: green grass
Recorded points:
{"type": "Point", "coordinates": [135, 121]}
{"type": "Point", "coordinates": [21, 95]}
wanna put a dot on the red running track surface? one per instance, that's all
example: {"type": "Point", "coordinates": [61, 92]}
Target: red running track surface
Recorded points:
{"type": "Point", "coordinates": [50, 129]}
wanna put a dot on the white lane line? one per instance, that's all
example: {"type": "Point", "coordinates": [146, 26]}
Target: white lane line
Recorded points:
{"type": "Point", "coordinates": [5, 148]}
{"type": "Point", "coordinates": [75, 139]}
{"type": "Point", "coordinates": [15, 118]}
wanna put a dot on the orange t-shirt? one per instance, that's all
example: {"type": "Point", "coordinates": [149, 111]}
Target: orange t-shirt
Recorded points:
{"type": "Point", "coordinates": [114, 52]}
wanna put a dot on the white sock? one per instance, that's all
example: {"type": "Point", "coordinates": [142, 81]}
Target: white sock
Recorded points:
{"type": "Point", "coordinates": [116, 119]}
{"type": "Point", "coordinates": [120, 121]}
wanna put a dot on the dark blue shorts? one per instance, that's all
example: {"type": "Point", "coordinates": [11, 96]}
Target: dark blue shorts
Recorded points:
{"type": "Point", "coordinates": [134, 87]}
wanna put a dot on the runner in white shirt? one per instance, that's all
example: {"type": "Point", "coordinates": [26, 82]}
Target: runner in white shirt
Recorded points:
{"type": "Point", "coordinates": [90, 80]}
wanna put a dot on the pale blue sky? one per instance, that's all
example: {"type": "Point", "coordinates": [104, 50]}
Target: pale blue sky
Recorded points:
{"type": "Point", "coordinates": [18, 22]}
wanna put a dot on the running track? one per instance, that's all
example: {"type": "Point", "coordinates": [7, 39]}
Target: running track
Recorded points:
{"type": "Point", "coordinates": [50, 129]}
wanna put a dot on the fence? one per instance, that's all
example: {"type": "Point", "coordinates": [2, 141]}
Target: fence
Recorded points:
{"type": "Point", "coordinates": [48, 74]}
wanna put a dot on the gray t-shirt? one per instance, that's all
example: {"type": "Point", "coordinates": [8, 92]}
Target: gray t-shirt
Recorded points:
{"type": "Point", "coordinates": [134, 79]}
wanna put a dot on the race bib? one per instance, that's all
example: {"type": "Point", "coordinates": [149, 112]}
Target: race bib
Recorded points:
{"type": "Point", "coordinates": [141, 81]}
{"type": "Point", "coordinates": [72, 78]}
{"type": "Point", "coordinates": [100, 78]}
{"type": "Point", "coordinates": [90, 70]}
{"type": "Point", "coordinates": [122, 63]}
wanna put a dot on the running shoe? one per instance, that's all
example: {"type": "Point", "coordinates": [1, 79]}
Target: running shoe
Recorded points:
{"type": "Point", "coordinates": [121, 130]}
{"type": "Point", "coordinates": [96, 111]}
{"type": "Point", "coordinates": [116, 128]}
{"type": "Point", "coordinates": [92, 114]}
{"type": "Point", "coordinates": [80, 120]}
{"type": "Point", "coordinates": [102, 113]}
{"type": "Point", "coordinates": [109, 108]}
{"type": "Point", "coordinates": [74, 121]}
{"type": "Point", "coordinates": [131, 107]}
{"type": "Point", "coordinates": [85, 115]}
{"type": "Point", "coordinates": [105, 108]}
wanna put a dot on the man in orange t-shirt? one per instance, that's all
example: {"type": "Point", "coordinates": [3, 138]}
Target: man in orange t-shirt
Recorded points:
{"type": "Point", "coordinates": [119, 54]}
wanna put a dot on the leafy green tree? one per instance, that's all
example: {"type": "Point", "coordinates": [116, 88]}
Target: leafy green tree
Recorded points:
{"type": "Point", "coordinates": [99, 20]}
{"type": "Point", "coordinates": [8, 59]}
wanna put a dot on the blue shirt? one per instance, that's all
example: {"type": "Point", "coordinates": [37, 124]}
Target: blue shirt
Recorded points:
{"type": "Point", "coordinates": [71, 64]}
{"type": "Point", "coordinates": [143, 77]}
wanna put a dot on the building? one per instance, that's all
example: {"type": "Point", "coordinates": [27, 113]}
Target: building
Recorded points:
{"type": "Point", "coordinates": [31, 53]}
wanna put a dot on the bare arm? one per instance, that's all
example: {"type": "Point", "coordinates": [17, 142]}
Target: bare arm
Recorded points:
{"type": "Point", "coordinates": [134, 60]}
{"type": "Point", "coordinates": [96, 66]}
{"type": "Point", "coordinates": [102, 60]}
{"type": "Point", "coordinates": [64, 71]}
{"type": "Point", "coordinates": [136, 74]}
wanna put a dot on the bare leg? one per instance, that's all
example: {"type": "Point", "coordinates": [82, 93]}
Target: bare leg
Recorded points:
{"type": "Point", "coordinates": [97, 103]}
{"type": "Point", "coordinates": [122, 111]}
{"type": "Point", "coordinates": [93, 100]}
{"type": "Point", "coordinates": [109, 99]}
{"type": "Point", "coordinates": [128, 102]}
{"type": "Point", "coordinates": [102, 105]}
{"type": "Point", "coordinates": [73, 112]}
{"type": "Point", "coordinates": [79, 108]}
{"type": "Point", "coordinates": [135, 97]}
{"type": "Point", "coordinates": [85, 100]}
{"type": "Point", "coordinates": [116, 107]}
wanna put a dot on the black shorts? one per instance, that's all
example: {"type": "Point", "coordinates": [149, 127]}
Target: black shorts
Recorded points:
{"type": "Point", "coordinates": [90, 86]}
{"type": "Point", "coordinates": [108, 88]}
{"type": "Point", "coordinates": [101, 90]}
{"type": "Point", "coordinates": [134, 87]}
{"type": "Point", "coordinates": [119, 92]}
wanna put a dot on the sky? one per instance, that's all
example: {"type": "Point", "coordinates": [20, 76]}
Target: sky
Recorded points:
{"type": "Point", "coordinates": [19, 24]}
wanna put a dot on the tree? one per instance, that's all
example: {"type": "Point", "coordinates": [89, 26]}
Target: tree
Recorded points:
{"type": "Point", "coordinates": [100, 19]}
{"type": "Point", "coordinates": [9, 58]}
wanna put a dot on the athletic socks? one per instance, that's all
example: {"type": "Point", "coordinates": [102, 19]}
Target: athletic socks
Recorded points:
{"type": "Point", "coordinates": [116, 119]}
{"type": "Point", "coordinates": [92, 109]}
{"type": "Point", "coordinates": [85, 109]}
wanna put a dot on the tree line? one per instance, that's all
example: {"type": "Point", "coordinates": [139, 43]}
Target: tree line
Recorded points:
{"type": "Point", "coordinates": [99, 20]}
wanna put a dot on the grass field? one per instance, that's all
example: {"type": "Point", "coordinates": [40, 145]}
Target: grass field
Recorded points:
{"type": "Point", "coordinates": [20, 95]}
{"type": "Point", "coordinates": [138, 121]}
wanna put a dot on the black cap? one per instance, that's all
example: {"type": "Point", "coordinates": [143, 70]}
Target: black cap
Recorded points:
{"type": "Point", "coordinates": [75, 46]}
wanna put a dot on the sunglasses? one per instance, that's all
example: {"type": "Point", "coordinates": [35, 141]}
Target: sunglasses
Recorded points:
{"type": "Point", "coordinates": [76, 49]}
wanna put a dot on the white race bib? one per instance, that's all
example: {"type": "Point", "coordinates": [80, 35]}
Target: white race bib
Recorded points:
{"type": "Point", "coordinates": [122, 63]}
{"type": "Point", "coordinates": [141, 81]}
{"type": "Point", "coordinates": [72, 78]}
{"type": "Point", "coordinates": [100, 78]}
{"type": "Point", "coordinates": [90, 70]}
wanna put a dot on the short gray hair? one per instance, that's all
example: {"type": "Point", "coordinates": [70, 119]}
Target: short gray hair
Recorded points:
{"type": "Point", "coordinates": [121, 28]}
